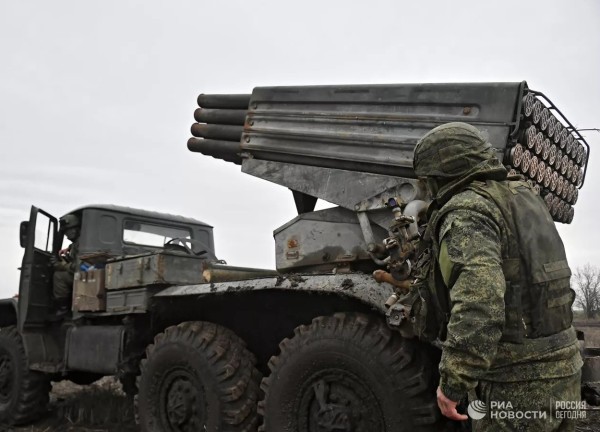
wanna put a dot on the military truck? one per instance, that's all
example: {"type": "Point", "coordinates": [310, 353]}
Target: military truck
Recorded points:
{"type": "Point", "coordinates": [313, 345]}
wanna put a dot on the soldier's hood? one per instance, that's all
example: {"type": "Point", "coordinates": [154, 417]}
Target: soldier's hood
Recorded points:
{"type": "Point", "coordinates": [490, 169]}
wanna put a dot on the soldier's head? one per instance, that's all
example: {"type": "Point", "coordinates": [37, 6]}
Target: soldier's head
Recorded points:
{"type": "Point", "coordinates": [69, 225]}
{"type": "Point", "coordinates": [450, 151]}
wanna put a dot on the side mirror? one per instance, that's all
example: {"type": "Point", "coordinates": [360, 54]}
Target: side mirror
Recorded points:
{"type": "Point", "coordinates": [23, 233]}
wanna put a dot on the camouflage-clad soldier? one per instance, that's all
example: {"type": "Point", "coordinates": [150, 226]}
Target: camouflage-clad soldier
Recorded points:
{"type": "Point", "coordinates": [65, 265]}
{"type": "Point", "coordinates": [501, 269]}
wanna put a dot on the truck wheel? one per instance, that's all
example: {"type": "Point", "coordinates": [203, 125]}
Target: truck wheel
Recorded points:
{"type": "Point", "coordinates": [349, 372]}
{"type": "Point", "coordinates": [23, 392]}
{"type": "Point", "coordinates": [198, 376]}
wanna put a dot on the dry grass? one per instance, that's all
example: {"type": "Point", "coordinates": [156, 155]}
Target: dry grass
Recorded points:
{"type": "Point", "coordinates": [100, 407]}
{"type": "Point", "coordinates": [592, 337]}
{"type": "Point", "coordinates": [591, 329]}
{"type": "Point", "coordinates": [591, 423]}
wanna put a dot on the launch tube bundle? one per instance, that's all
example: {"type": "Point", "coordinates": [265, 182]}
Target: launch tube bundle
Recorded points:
{"type": "Point", "coordinates": [374, 128]}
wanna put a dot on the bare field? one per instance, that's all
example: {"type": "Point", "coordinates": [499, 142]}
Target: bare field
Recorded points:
{"type": "Point", "coordinates": [103, 407]}
{"type": "Point", "coordinates": [99, 407]}
{"type": "Point", "coordinates": [591, 329]}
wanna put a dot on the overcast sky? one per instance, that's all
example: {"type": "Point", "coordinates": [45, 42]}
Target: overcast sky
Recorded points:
{"type": "Point", "coordinates": [97, 98]}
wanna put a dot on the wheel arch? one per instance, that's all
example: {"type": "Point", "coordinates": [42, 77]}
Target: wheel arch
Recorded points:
{"type": "Point", "coordinates": [264, 314]}
{"type": "Point", "coordinates": [8, 312]}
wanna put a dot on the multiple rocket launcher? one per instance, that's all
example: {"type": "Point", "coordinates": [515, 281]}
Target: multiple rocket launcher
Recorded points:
{"type": "Point", "coordinates": [551, 156]}
{"type": "Point", "coordinates": [375, 128]}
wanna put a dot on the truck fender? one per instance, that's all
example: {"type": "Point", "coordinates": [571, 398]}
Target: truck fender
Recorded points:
{"type": "Point", "coordinates": [8, 312]}
{"type": "Point", "coordinates": [359, 286]}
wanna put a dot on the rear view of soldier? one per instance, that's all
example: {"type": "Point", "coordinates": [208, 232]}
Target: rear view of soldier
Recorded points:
{"type": "Point", "coordinates": [65, 265]}
{"type": "Point", "coordinates": [503, 272]}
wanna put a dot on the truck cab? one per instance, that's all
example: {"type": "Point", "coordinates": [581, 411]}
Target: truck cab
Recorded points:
{"type": "Point", "coordinates": [134, 253]}
{"type": "Point", "coordinates": [107, 232]}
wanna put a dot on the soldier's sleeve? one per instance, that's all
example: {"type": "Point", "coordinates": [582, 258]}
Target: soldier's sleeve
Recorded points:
{"type": "Point", "coordinates": [73, 252]}
{"type": "Point", "coordinates": [471, 266]}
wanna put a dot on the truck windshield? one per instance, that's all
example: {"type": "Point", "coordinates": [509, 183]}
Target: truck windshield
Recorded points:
{"type": "Point", "coordinates": [146, 234]}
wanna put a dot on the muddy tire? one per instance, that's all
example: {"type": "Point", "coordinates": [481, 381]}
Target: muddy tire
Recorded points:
{"type": "Point", "coordinates": [349, 372]}
{"type": "Point", "coordinates": [198, 376]}
{"type": "Point", "coordinates": [23, 392]}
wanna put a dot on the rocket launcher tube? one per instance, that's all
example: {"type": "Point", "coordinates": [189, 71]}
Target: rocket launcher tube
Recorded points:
{"type": "Point", "coordinates": [220, 116]}
{"type": "Point", "coordinates": [224, 101]}
{"type": "Point", "coordinates": [363, 136]}
{"type": "Point", "coordinates": [225, 150]}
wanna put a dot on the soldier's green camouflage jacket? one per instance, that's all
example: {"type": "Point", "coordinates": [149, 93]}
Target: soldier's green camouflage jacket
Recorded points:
{"type": "Point", "coordinates": [64, 273]}
{"type": "Point", "coordinates": [504, 266]}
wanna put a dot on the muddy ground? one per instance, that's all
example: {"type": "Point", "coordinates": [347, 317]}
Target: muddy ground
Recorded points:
{"type": "Point", "coordinates": [103, 407]}
{"type": "Point", "coordinates": [100, 407]}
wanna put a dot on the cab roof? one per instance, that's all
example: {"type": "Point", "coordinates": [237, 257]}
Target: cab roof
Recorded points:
{"type": "Point", "coordinates": [142, 213]}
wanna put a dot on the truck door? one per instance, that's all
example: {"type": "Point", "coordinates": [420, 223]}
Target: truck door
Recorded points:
{"type": "Point", "coordinates": [40, 239]}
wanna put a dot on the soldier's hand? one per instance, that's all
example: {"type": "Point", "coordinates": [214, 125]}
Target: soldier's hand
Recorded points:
{"type": "Point", "coordinates": [57, 263]}
{"type": "Point", "coordinates": [448, 407]}
{"type": "Point", "coordinates": [65, 255]}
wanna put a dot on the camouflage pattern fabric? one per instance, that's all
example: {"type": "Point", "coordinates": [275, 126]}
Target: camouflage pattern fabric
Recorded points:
{"type": "Point", "coordinates": [62, 284]}
{"type": "Point", "coordinates": [470, 261]}
{"type": "Point", "coordinates": [470, 236]}
{"type": "Point", "coordinates": [64, 273]}
{"type": "Point", "coordinates": [535, 399]}
{"type": "Point", "coordinates": [463, 149]}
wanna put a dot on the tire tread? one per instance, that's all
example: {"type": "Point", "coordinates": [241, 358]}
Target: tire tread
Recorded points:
{"type": "Point", "coordinates": [234, 367]}
{"type": "Point", "coordinates": [34, 387]}
{"type": "Point", "coordinates": [408, 368]}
